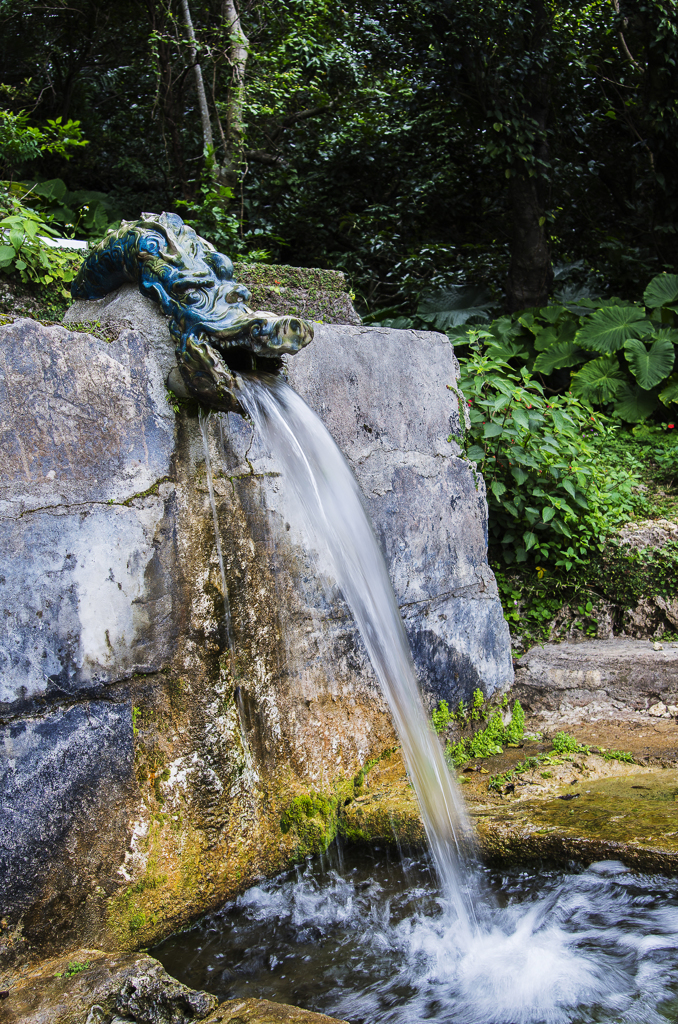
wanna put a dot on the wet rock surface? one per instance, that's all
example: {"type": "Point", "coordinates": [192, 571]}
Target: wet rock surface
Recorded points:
{"type": "Point", "coordinates": [264, 1011]}
{"type": "Point", "coordinates": [580, 807]}
{"type": "Point", "coordinates": [91, 987]}
{"type": "Point", "coordinates": [147, 768]}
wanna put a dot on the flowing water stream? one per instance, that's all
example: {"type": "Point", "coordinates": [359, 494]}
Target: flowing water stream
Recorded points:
{"type": "Point", "coordinates": [330, 501]}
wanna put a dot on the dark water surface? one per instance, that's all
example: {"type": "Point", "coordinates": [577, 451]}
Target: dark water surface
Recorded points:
{"type": "Point", "coordinates": [368, 938]}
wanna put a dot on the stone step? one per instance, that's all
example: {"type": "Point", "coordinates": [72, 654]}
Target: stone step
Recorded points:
{"type": "Point", "coordinates": [627, 675]}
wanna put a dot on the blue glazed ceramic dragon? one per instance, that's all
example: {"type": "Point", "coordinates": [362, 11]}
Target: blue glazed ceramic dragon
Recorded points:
{"type": "Point", "coordinates": [214, 330]}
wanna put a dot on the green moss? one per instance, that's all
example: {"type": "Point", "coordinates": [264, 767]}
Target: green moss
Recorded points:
{"type": "Point", "coordinates": [137, 921]}
{"type": "Point", "coordinates": [332, 282]}
{"type": "Point", "coordinates": [312, 817]}
{"type": "Point", "coordinates": [314, 294]}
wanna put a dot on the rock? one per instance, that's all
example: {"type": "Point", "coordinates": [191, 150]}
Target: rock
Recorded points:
{"type": "Point", "coordinates": [622, 812]}
{"type": "Point", "coordinates": [263, 1011]}
{"type": "Point", "coordinates": [614, 673]}
{"type": "Point", "coordinates": [650, 533]}
{"type": "Point", "coordinates": [147, 768]}
{"type": "Point", "coordinates": [319, 295]}
{"type": "Point", "coordinates": [91, 987]}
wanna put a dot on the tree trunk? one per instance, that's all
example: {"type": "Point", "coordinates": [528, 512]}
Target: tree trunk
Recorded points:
{"type": "Point", "coordinates": [530, 276]}
{"type": "Point", "coordinates": [208, 141]}
{"type": "Point", "coordinates": [530, 273]}
{"type": "Point", "coordinates": [237, 53]}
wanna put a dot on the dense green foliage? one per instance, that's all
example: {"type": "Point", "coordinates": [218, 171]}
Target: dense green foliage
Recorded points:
{"type": "Point", "coordinates": [415, 145]}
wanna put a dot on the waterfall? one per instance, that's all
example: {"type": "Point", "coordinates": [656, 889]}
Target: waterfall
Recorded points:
{"type": "Point", "coordinates": [331, 504]}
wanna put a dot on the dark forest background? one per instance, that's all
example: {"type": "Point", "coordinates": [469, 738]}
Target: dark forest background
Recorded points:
{"type": "Point", "coordinates": [524, 146]}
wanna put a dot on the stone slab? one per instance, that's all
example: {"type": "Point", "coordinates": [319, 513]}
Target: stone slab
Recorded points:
{"type": "Point", "coordinates": [559, 677]}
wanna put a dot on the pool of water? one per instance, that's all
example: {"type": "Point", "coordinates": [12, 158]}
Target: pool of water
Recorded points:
{"type": "Point", "coordinates": [368, 938]}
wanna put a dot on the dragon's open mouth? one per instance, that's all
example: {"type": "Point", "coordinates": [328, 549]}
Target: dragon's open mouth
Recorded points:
{"type": "Point", "coordinates": [243, 360]}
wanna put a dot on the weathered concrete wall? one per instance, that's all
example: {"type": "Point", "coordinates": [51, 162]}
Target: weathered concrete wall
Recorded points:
{"type": "Point", "coordinates": [144, 770]}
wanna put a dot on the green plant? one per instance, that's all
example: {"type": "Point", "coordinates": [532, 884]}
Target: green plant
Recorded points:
{"type": "Point", "coordinates": [549, 499]}
{"type": "Point", "coordinates": [563, 743]}
{"type": "Point", "coordinates": [80, 214]}
{"type": "Point", "coordinates": [25, 248]}
{"type": "Point", "coordinates": [497, 782]}
{"type": "Point", "coordinates": [444, 310]}
{"type": "Point", "coordinates": [442, 716]}
{"type": "Point", "coordinates": [21, 142]}
{"type": "Point", "coordinates": [136, 713]}
{"type": "Point", "coordinates": [74, 967]}
{"type": "Point", "coordinates": [617, 755]}
{"type": "Point", "coordinates": [483, 742]}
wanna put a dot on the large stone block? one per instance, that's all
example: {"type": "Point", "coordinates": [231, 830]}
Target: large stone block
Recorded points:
{"type": "Point", "coordinates": [146, 765]}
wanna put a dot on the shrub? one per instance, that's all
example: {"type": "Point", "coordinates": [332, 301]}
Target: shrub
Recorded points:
{"type": "Point", "coordinates": [24, 251]}
{"type": "Point", "coordinates": [549, 498]}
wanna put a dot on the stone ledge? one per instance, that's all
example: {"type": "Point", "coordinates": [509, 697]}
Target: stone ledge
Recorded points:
{"type": "Point", "coordinates": [629, 672]}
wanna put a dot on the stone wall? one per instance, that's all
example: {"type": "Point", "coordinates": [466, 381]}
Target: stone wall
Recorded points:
{"type": "Point", "coordinates": [145, 768]}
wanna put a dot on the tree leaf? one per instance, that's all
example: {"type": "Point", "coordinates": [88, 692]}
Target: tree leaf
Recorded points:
{"type": "Point", "coordinates": [599, 380]}
{"type": "Point", "coordinates": [634, 404]}
{"type": "Point", "coordinates": [492, 429]}
{"type": "Point", "coordinates": [498, 488]}
{"type": "Point", "coordinates": [650, 365]}
{"type": "Point", "coordinates": [607, 329]}
{"type": "Point", "coordinates": [521, 418]}
{"type": "Point", "coordinates": [476, 453]}
{"type": "Point", "coordinates": [669, 392]}
{"type": "Point", "coordinates": [547, 513]}
{"type": "Point", "coordinates": [661, 291]}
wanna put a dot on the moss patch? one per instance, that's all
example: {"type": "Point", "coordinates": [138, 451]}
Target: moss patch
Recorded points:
{"type": "Point", "coordinates": [319, 295]}
{"type": "Point", "coordinates": [312, 819]}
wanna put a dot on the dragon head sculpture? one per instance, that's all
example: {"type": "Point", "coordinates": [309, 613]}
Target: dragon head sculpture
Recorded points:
{"type": "Point", "coordinates": [215, 332]}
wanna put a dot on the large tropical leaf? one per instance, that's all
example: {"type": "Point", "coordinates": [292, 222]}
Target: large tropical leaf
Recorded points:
{"type": "Point", "coordinates": [661, 291]}
{"type": "Point", "coordinates": [650, 365]}
{"type": "Point", "coordinates": [669, 392]}
{"type": "Point", "coordinates": [455, 305]}
{"type": "Point", "coordinates": [634, 404]}
{"type": "Point", "coordinates": [563, 353]}
{"type": "Point", "coordinates": [599, 380]}
{"type": "Point", "coordinates": [608, 328]}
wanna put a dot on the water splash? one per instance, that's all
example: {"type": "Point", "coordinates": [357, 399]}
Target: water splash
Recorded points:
{"type": "Point", "coordinates": [203, 418]}
{"type": "Point", "coordinates": [330, 501]}
{"type": "Point", "coordinates": [372, 943]}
